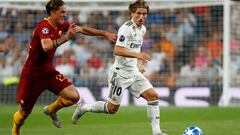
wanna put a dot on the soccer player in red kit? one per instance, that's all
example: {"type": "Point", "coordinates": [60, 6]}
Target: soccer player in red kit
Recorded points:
{"type": "Point", "coordinates": [38, 73]}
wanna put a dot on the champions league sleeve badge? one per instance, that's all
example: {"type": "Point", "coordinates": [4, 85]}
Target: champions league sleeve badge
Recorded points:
{"type": "Point", "coordinates": [121, 38]}
{"type": "Point", "coordinates": [45, 31]}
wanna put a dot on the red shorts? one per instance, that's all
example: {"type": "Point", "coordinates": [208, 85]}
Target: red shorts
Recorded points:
{"type": "Point", "coordinates": [32, 85]}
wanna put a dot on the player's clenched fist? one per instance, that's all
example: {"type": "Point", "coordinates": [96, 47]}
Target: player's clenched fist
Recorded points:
{"type": "Point", "coordinates": [72, 30]}
{"type": "Point", "coordinates": [111, 36]}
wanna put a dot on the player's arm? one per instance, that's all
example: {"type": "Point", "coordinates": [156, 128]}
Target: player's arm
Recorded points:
{"type": "Point", "coordinates": [49, 44]}
{"type": "Point", "coordinates": [96, 32]}
{"type": "Point", "coordinates": [121, 51]}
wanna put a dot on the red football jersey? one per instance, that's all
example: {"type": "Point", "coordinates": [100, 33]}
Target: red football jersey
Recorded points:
{"type": "Point", "coordinates": [38, 59]}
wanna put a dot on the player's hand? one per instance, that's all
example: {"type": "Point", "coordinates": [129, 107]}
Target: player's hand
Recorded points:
{"type": "Point", "coordinates": [111, 36]}
{"type": "Point", "coordinates": [72, 30]}
{"type": "Point", "coordinates": [141, 68]}
{"type": "Point", "coordinates": [144, 57]}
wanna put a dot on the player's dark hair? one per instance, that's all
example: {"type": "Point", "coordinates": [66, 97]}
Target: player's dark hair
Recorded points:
{"type": "Point", "coordinates": [54, 5]}
{"type": "Point", "coordinates": [138, 4]}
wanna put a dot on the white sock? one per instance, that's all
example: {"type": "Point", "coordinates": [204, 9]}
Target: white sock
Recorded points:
{"type": "Point", "coordinates": [97, 107]}
{"type": "Point", "coordinates": [154, 117]}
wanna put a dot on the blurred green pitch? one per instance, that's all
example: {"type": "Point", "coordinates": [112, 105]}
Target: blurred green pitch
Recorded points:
{"type": "Point", "coordinates": [130, 120]}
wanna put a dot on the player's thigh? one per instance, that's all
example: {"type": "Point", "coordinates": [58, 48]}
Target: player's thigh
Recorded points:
{"type": "Point", "coordinates": [140, 85]}
{"type": "Point", "coordinates": [117, 84]}
{"type": "Point", "coordinates": [60, 85]}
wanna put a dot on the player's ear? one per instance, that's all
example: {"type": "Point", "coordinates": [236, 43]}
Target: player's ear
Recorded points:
{"type": "Point", "coordinates": [131, 15]}
{"type": "Point", "coordinates": [52, 12]}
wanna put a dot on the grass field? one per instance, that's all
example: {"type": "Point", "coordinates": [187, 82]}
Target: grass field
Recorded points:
{"type": "Point", "coordinates": [128, 121]}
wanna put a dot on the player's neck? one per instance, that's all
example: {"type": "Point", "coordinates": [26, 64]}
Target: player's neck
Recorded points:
{"type": "Point", "coordinates": [52, 22]}
{"type": "Point", "coordinates": [137, 26]}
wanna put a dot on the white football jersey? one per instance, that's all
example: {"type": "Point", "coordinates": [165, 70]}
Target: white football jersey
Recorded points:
{"type": "Point", "coordinates": [130, 36]}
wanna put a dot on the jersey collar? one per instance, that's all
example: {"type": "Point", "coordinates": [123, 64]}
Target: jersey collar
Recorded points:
{"type": "Point", "coordinates": [50, 23]}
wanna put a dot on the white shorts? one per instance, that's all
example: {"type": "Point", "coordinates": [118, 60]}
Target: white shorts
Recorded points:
{"type": "Point", "coordinates": [120, 80]}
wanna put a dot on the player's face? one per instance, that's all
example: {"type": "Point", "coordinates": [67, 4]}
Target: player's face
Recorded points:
{"type": "Point", "coordinates": [60, 15]}
{"type": "Point", "coordinates": [139, 16]}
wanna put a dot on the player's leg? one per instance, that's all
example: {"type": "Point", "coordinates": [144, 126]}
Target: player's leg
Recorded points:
{"type": "Point", "coordinates": [26, 105]}
{"type": "Point", "coordinates": [110, 107]}
{"type": "Point", "coordinates": [28, 92]}
{"type": "Point", "coordinates": [142, 87]}
{"type": "Point", "coordinates": [153, 109]}
{"type": "Point", "coordinates": [68, 95]}
{"type": "Point", "coordinates": [96, 107]}
{"type": "Point", "coordinates": [116, 90]}
{"type": "Point", "coordinates": [18, 120]}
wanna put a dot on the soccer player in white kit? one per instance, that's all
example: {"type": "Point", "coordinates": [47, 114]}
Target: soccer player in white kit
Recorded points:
{"type": "Point", "coordinates": [126, 72]}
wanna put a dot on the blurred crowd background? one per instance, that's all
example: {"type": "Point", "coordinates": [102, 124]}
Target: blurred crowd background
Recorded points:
{"type": "Point", "coordinates": [186, 46]}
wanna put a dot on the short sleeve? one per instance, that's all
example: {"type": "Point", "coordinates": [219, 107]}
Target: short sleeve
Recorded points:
{"type": "Point", "coordinates": [43, 31]}
{"type": "Point", "coordinates": [123, 35]}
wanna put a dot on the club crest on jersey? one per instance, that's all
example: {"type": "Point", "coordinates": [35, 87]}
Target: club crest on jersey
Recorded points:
{"type": "Point", "coordinates": [122, 38]}
{"type": "Point", "coordinates": [45, 31]}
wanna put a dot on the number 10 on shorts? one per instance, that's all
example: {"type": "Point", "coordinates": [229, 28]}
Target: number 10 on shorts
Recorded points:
{"type": "Point", "coordinates": [115, 90]}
